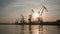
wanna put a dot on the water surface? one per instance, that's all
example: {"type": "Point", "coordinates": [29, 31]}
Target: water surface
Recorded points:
{"type": "Point", "coordinates": [34, 29]}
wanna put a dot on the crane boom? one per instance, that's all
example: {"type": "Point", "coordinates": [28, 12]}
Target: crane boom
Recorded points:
{"type": "Point", "coordinates": [43, 7]}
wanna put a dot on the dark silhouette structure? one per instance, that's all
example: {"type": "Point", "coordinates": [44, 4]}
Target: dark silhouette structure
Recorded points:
{"type": "Point", "coordinates": [22, 20]}
{"type": "Point", "coordinates": [16, 22]}
{"type": "Point", "coordinates": [58, 21]}
{"type": "Point", "coordinates": [30, 23]}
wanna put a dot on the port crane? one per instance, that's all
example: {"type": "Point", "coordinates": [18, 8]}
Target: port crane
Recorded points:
{"type": "Point", "coordinates": [40, 19]}
{"type": "Point", "coordinates": [41, 12]}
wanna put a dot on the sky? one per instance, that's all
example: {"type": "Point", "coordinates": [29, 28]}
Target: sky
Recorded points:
{"type": "Point", "coordinates": [10, 10]}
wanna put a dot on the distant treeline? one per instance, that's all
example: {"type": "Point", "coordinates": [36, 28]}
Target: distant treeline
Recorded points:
{"type": "Point", "coordinates": [32, 23]}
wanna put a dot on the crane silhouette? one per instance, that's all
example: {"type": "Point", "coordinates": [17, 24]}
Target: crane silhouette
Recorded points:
{"type": "Point", "coordinates": [40, 18]}
{"type": "Point", "coordinates": [41, 12]}
{"type": "Point", "coordinates": [22, 26]}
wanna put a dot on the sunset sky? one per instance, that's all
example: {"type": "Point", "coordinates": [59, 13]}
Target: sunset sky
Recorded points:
{"type": "Point", "coordinates": [10, 10]}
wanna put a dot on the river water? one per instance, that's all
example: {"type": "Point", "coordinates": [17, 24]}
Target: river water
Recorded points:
{"type": "Point", "coordinates": [26, 29]}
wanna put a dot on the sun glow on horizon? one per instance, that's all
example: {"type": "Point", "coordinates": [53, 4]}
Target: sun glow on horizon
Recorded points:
{"type": "Point", "coordinates": [35, 16]}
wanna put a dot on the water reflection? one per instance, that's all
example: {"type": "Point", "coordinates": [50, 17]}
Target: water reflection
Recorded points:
{"type": "Point", "coordinates": [58, 28]}
{"type": "Point", "coordinates": [40, 29]}
{"type": "Point", "coordinates": [31, 29]}
{"type": "Point", "coordinates": [26, 29]}
{"type": "Point", "coordinates": [22, 29]}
